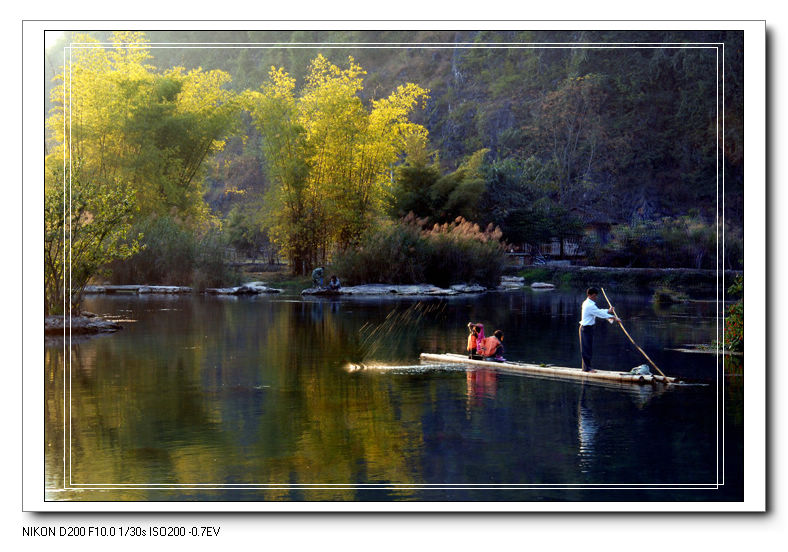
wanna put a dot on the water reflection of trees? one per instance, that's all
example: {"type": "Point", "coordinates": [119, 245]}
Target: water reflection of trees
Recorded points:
{"type": "Point", "coordinates": [192, 408]}
{"type": "Point", "coordinates": [254, 391]}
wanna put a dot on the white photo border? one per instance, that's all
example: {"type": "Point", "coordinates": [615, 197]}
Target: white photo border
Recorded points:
{"type": "Point", "coordinates": [754, 447]}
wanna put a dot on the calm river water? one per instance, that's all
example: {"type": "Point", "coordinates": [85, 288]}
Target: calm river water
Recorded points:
{"type": "Point", "coordinates": [256, 398]}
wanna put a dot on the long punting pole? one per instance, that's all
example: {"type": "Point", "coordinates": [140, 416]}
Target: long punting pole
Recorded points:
{"type": "Point", "coordinates": [630, 337]}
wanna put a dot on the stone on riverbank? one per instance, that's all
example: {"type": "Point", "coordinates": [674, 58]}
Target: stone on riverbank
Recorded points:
{"type": "Point", "coordinates": [468, 288]}
{"type": "Point", "coordinates": [517, 282]}
{"type": "Point", "coordinates": [137, 288]}
{"type": "Point", "coordinates": [542, 285]}
{"type": "Point", "coordinates": [79, 325]}
{"type": "Point", "coordinates": [403, 290]}
{"type": "Point", "coordinates": [251, 288]}
{"type": "Point", "coordinates": [511, 282]}
{"type": "Point", "coordinates": [164, 289]}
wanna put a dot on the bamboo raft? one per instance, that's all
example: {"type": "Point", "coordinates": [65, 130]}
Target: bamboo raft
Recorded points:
{"type": "Point", "coordinates": [552, 371]}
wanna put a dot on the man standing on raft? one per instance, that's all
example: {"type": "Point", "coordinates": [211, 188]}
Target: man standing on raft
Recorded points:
{"type": "Point", "coordinates": [590, 312]}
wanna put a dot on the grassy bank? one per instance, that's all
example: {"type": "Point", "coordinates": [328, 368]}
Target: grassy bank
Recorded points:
{"type": "Point", "coordinates": [698, 284]}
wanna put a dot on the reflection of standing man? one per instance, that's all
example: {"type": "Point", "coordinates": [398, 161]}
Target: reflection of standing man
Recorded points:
{"type": "Point", "coordinates": [590, 312]}
{"type": "Point", "coordinates": [587, 428]}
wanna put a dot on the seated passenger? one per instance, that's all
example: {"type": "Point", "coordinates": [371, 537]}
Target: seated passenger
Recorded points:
{"type": "Point", "coordinates": [480, 340]}
{"type": "Point", "coordinates": [473, 341]}
{"type": "Point", "coordinates": [493, 347]}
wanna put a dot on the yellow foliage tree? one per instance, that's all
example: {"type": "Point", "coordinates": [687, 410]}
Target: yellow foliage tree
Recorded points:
{"type": "Point", "coordinates": [329, 156]}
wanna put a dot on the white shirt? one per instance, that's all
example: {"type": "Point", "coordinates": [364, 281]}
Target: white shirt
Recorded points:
{"type": "Point", "coordinates": [591, 312]}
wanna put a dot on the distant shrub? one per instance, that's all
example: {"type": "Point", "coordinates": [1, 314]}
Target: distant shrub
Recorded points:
{"type": "Point", "coordinates": [734, 248]}
{"type": "Point", "coordinates": [680, 242]}
{"type": "Point", "coordinates": [462, 252]}
{"type": "Point", "coordinates": [734, 327]}
{"type": "Point", "coordinates": [734, 321]}
{"type": "Point", "coordinates": [664, 295]}
{"type": "Point", "coordinates": [166, 255]}
{"type": "Point", "coordinates": [537, 274]}
{"type": "Point", "coordinates": [211, 268]}
{"type": "Point", "coordinates": [409, 252]}
{"type": "Point", "coordinates": [173, 255]}
{"type": "Point", "coordinates": [394, 253]}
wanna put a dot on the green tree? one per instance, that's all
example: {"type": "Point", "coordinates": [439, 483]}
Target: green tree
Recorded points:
{"type": "Point", "coordinates": [86, 226]}
{"type": "Point", "coordinates": [459, 193]}
{"type": "Point", "coordinates": [514, 184]}
{"type": "Point", "coordinates": [245, 231]}
{"type": "Point", "coordinates": [421, 189]}
{"type": "Point", "coordinates": [413, 181]}
{"type": "Point", "coordinates": [183, 120]}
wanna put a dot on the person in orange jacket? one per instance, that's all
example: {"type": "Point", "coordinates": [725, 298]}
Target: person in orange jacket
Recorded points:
{"type": "Point", "coordinates": [473, 341]}
{"type": "Point", "coordinates": [493, 347]}
{"type": "Point", "coordinates": [480, 340]}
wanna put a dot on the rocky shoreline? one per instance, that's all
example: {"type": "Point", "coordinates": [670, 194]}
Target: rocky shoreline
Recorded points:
{"type": "Point", "coordinates": [391, 289]}
{"type": "Point", "coordinates": [82, 324]}
{"type": "Point", "coordinates": [137, 288]}
{"type": "Point", "coordinates": [86, 323]}
{"type": "Point", "coordinates": [250, 288]}
{"type": "Point", "coordinates": [507, 283]}
{"type": "Point", "coordinates": [256, 288]}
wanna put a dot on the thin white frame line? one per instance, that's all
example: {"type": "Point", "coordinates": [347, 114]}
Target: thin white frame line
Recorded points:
{"type": "Point", "coordinates": [70, 242]}
{"type": "Point", "coordinates": [297, 485]}
{"type": "Point", "coordinates": [351, 487]}
{"type": "Point", "coordinates": [388, 44]}
{"type": "Point", "coordinates": [717, 263]}
{"type": "Point", "coordinates": [405, 47]}
{"type": "Point", "coordinates": [656, 485]}
{"type": "Point", "coordinates": [65, 341]}
{"type": "Point", "coordinates": [722, 148]}
{"type": "Point", "coordinates": [405, 21]}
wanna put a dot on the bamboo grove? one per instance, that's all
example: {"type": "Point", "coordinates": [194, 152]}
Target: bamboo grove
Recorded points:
{"type": "Point", "coordinates": [328, 156]}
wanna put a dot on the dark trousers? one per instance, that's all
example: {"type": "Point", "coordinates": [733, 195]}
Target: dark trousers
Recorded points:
{"type": "Point", "coordinates": [586, 345]}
